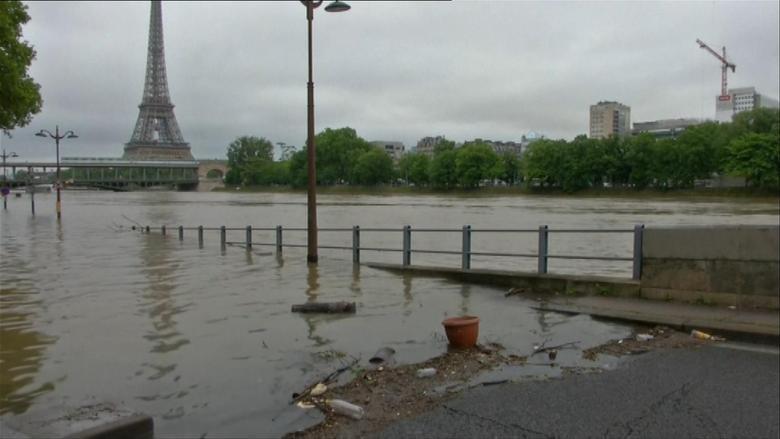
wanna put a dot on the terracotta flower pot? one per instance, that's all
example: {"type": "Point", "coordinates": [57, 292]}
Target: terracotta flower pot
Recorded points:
{"type": "Point", "coordinates": [462, 332]}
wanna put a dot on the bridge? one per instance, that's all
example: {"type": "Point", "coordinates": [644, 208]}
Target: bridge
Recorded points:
{"type": "Point", "coordinates": [122, 175]}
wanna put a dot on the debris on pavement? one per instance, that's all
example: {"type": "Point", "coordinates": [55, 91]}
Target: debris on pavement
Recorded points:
{"type": "Point", "coordinates": [704, 336]}
{"type": "Point", "coordinates": [426, 373]}
{"type": "Point", "coordinates": [383, 355]}
{"type": "Point", "coordinates": [393, 393]}
{"type": "Point", "coordinates": [345, 408]}
{"type": "Point", "coordinates": [662, 337]}
{"type": "Point", "coordinates": [325, 307]}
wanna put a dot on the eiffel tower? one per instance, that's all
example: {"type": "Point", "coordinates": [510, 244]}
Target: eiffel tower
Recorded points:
{"type": "Point", "coordinates": [156, 135]}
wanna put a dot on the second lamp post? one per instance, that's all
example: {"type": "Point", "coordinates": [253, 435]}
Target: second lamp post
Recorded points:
{"type": "Point", "coordinates": [311, 151]}
{"type": "Point", "coordinates": [57, 137]}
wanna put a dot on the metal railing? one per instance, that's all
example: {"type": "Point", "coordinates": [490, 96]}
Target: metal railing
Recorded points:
{"type": "Point", "coordinates": [466, 253]}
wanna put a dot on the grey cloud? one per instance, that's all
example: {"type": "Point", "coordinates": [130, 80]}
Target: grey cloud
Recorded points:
{"type": "Point", "coordinates": [391, 70]}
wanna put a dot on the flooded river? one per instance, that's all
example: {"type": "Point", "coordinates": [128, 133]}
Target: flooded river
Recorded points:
{"type": "Point", "coordinates": [204, 341]}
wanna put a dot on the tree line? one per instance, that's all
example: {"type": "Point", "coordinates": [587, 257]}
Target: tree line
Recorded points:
{"type": "Point", "coordinates": [748, 147]}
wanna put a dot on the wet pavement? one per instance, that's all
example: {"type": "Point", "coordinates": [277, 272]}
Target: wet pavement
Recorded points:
{"type": "Point", "coordinates": [710, 391]}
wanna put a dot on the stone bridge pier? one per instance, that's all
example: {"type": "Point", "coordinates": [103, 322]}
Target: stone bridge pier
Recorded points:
{"type": "Point", "coordinates": [212, 169]}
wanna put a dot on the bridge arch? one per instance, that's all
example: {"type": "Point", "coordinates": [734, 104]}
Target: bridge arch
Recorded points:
{"type": "Point", "coordinates": [212, 169]}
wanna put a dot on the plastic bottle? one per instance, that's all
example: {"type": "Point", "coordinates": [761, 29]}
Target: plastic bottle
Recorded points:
{"type": "Point", "coordinates": [426, 373]}
{"type": "Point", "coordinates": [346, 409]}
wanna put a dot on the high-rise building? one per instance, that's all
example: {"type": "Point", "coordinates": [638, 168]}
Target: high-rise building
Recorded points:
{"type": "Point", "coordinates": [609, 118]}
{"type": "Point", "coordinates": [739, 100]}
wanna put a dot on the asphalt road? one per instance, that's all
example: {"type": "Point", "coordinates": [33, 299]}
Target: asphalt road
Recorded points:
{"type": "Point", "coordinates": [710, 392]}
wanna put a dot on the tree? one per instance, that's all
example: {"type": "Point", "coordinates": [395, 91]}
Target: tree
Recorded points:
{"type": "Point", "coordinates": [757, 158]}
{"type": "Point", "coordinates": [20, 96]}
{"type": "Point", "coordinates": [474, 162]}
{"type": "Point", "coordinates": [373, 167]}
{"type": "Point", "coordinates": [507, 168]}
{"type": "Point", "coordinates": [758, 120]}
{"type": "Point", "coordinates": [337, 153]}
{"type": "Point", "coordinates": [442, 172]}
{"type": "Point", "coordinates": [414, 167]}
{"type": "Point", "coordinates": [640, 159]}
{"type": "Point", "coordinates": [244, 154]}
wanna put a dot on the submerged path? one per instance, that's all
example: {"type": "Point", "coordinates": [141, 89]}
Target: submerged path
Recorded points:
{"type": "Point", "coordinates": [707, 392]}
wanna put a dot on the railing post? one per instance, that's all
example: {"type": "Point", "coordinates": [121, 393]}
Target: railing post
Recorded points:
{"type": "Point", "coordinates": [466, 253]}
{"type": "Point", "coordinates": [542, 256]}
{"type": "Point", "coordinates": [407, 250]}
{"type": "Point", "coordinates": [222, 237]}
{"type": "Point", "coordinates": [200, 236]}
{"type": "Point", "coordinates": [279, 240]}
{"type": "Point", "coordinates": [638, 232]}
{"type": "Point", "coordinates": [356, 244]}
{"type": "Point", "coordinates": [181, 233]}
{"type": "Point", "coordinates": [162, 229]}
{"type": "Point", "coordinates": [148, 229]}
{"type": "Point", "coordinates": [248, 238]}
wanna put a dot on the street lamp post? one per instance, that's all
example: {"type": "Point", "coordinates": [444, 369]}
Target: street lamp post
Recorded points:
{"type": "Point", "coordinates": [311, 201]}
{"type": "Point", "coordinates": [57, 137]}
{"type": "Point", "coordinates": [6, 155]}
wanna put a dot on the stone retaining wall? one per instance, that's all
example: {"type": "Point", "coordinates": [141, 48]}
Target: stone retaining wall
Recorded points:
{"type": "Point", "coordinates": [726, 265]}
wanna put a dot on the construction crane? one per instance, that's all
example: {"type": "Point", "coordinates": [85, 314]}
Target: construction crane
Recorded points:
{"type": "Point", "coordinates": [724, 96]}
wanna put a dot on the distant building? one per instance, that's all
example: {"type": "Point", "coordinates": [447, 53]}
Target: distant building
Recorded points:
{"type": "Point", "coordinates": [665, 128]}
{"type": "Point", "coordinates": [739, 100]}
{"type": "Point", "coordinates": [394, 149]}
{"type": "Point", "coordinates": [609, 118]}
{"type": "Point", "coordinates": [512, 147]}
{"type": "Point", "coordinates": [528, 139]}
{"type": "Point", "coordinates": [500, 147]}
{"type": "Point", "coordinates": [426, 145]}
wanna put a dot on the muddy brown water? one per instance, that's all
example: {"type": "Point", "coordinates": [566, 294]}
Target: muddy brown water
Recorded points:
{"type": "Point", "coordinates": [204, 341]}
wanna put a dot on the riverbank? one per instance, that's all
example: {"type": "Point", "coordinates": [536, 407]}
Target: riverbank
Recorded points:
{"type": "Point", "coordinates": [749, 194]}
{"type": "Point", "coordinates": [710, 391]}
{"type": "Point", "coordinates": [393, 395]}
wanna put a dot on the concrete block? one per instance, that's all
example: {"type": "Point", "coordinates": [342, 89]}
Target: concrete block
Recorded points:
{"type": "Point", "coordinates": [96, 421]}
{"type": "Point", "coordinates": [675, 274]}
{"type": "Point", "coordinates": [743, 243]}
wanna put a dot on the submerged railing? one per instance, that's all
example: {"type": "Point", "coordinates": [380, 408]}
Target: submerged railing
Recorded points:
{"type": "Point", "coordinates": [542, 255]}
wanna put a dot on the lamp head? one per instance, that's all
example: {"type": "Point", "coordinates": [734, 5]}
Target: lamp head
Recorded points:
{"type": "Point", "coordinates": [40, 134]}
{"type": "Point", "coordinates": [13, 154]}
{"type": "Point", "coordinates": [337, 6]}
{"type": "Point", "coordinates": [72, 136]}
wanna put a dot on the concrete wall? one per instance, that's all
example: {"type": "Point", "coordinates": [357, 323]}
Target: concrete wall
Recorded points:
{"type": "Point", "coordinates": [728, 265]}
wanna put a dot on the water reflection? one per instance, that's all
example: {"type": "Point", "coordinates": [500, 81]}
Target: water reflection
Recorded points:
{"type": "Point", "coordinates": [407, 282]}
{"type": "Point", "coordinates": [22, 348]}
{"type": "Point", "coordinates": [354, 286]}
{"type": "Point", "coordinates": [159, 303]}
{"type": "Point", "coordinates": [465, 295]}
{"type": "Point", "coordinates": [312, 292]}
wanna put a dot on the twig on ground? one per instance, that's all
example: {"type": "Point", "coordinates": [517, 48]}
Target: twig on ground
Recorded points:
{"type": "Point", "coordinates": [542, 348]}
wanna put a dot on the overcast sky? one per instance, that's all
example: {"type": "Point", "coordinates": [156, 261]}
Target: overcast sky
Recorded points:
{"type": "Point", "coordinates": [391, 70]}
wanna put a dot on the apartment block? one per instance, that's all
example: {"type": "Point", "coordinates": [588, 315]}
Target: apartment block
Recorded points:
{"type": "Point", "coordinates": [608, 118]}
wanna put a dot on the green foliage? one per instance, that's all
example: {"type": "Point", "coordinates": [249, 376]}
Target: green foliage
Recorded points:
{"type": "Point", "coordinates": [443, 169]}
{"type": "Point", "coordinates": [373, 167]}
{"type": "Point", "coordinates": [245, 156]}
{"type": "Point", "coordinates": [414, 168]}
{"type": "Point", "coordinates": [744, 147]}
{"type": "Point", "coordinates": [507, 168]}
{"type": "Point", "coordinates": [337, 154]}
{"type": "Point", "coordinates": [474, 162]}
{"type": "Point", "coordinates": [20, 96]}
{"type": "Point", "coordinates": [757, 158]}
{"type": "Point", "coordinates": [747, 147]}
